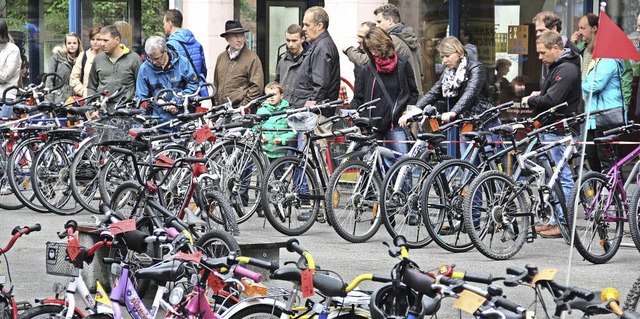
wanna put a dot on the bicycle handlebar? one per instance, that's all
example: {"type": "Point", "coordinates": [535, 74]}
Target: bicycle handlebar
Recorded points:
{"type": "Point", "coordinates": [293, 245]}
{"type": "Point", "coordinates": [18, 232]}
{"type": "Point", "coordinates": [623, 129]}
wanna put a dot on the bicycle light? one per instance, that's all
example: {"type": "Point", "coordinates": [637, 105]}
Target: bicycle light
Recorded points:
{"type": "Point", "coordinates": [116, 269]}
{"type": "Point", "coordinates": [58, 288]}
{"type": "Point", "coordinates": [3, 280]}
{"type": "Point", "coordinates": [175, 297]}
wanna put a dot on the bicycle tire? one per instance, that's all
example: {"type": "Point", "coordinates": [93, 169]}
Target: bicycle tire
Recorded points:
{"type": "Point", "coordinates": [493, 219]}
{"type": "Point", "coordinates": [218, 209]}
{"type": "Point", "coordinates": [51, 181]}
{"type": "Point", "coordinates": [278, 209]}
{"type": "Point", "coordinates": [8, 200]}
{"type": "Point", "coordinates": [5, 309]}
{"type": "Point", "coordinates": [634, 219]}
{"type": "Point", "coordinates": [116, 170]}
{"type": "Point", "coordinates": [48, 312]}
{"type": "Point", "coordinates": [597, 244]}
{"type": "Point", "coordinates": [217, 244]}
{"type": "Point", "coordinates": [442, 198]}
{"type": "Point", "coordinates": [246, 174]}
{"type": "Point", "coordinates": [127, 200]}
{"type": "Point", "coordinates": [258, 311]}
{"type": "Point", "coordinates": [354, 212]}
{"type": "Point", "coordinates": [98, 316]}
{"type": "Point", "coordinates": [19, 173]}
{"type": "Point", "coordinates": [631, 301]}
{"type": "Point", "coordinates": [397, 206]}
{"type": "Point", "coordinates": [83, 176]}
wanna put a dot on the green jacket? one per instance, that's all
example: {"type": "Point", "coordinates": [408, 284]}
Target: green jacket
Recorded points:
{"type": "Point", "coordinates": [112, 75]}
{"type": "Point", "coordinates": [276, 122]}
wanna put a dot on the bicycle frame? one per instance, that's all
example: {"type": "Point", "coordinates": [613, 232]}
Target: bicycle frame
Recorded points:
{"type": "Point", "coordinates": [125, 292]}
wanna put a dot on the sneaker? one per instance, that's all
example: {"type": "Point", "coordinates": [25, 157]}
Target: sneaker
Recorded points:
{"type": "Point", "coordinates": [303, 217]}
{"type": "Point", "coordinates": [412, 219]}
{"type": "Point", "coordinates": [552, 232]}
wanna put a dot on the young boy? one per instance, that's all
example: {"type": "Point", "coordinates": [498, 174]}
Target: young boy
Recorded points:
{"type": "Point", "coordinates": [275, 104]}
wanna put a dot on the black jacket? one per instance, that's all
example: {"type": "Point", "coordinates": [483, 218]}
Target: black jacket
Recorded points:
{"type": "Point", "coordinates": [287, 71]}
{"type": "Point", "coordinates": [319, 73]}
{"type": "Point", "coordinates": [563, 83]}
{"type": "Point", "coordinates": [400, 84]}
{"type": "Point", "coordinates": [473, 94]}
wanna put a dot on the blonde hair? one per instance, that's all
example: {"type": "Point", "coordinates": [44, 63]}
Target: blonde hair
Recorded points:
{"type": "Point", "coordinates": [274, 86]}
{"type": "Point", "coordinates": [451, 45]}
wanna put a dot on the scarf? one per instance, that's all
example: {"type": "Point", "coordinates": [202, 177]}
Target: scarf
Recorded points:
{"type": "Point", "coordinates": [452, 79]}
{"type": "Point", "coordinates": [386, 65]}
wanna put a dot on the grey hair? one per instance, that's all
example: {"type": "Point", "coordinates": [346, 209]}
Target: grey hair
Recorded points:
{"type": "Point", "coordinates": [155, 43]}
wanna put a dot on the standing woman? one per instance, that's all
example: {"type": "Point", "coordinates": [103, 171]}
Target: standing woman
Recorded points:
{"type": "Point", "coordinates": [82, 67]}
{"type": "Point", "coordinates": [9, 66]}
{"type": "Point", "coordinates": [387, 76]}
{"type": "Point", "coordinates": [62, 63]}
{"type": "Point", "coordinates": [462, 85]}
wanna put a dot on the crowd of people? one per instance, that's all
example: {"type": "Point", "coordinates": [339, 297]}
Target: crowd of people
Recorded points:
{"type": "Point", "coordinates": [388, 65]}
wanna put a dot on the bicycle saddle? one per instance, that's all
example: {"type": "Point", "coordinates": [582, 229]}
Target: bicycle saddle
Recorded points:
{"type": "Point", "coordinates": [360, 138]}
{"type": "Point", "coordinates": [604, 139]}
{"type": "Point", "coordinates": [79, 110]}
{"type": "Point", "coordinates": [432, 137]}
{"type": "Point", "coordinates": [506, 129]}
{"type": "Point", "coordinates": [23, 109]}
{"type": "Point", "coordinates": [326, 284]}
{"type": "Point", "coordinates": [173, 270]}
{"type": "Point", "coordinates": [139, 132]}
{"type": "Point", "coordinates": [478, 136]}
{"type": "Point", "coordinates": [128, 112]}
{"type": "Point", "coordinates": [365, 123]}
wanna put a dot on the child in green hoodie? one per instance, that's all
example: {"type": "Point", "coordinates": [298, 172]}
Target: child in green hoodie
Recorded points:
{"type": "Point", "coordinates": [275, 104]}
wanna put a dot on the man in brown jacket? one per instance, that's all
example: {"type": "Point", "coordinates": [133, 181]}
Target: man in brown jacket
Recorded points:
{"type": "Point", "coordinates": [238, 74]}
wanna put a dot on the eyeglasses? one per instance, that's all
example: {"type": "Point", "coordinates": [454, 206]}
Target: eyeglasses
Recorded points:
{"type": "Point", "coordinates": [158, 58]}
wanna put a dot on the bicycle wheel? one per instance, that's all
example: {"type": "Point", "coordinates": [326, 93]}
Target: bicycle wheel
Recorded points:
{"type": "Point", "coordinates": [217, 244]}
{"type": "Point", "coordinates": [557, 201]}
{"type": "Point", "coordinates": [442, 198]}
{"type": "Point", "coordinates": [47, 312]}
{"type": "Point", "coordinates": [8, 200]}
{"type": "Point", "coordinates": [634, 222]}
{"type": "Point", "coordinates": [400, 201]}
{"type": "Point", "coordinates": [494, 216]}
{"type": "Point", "coordinates": [83, 176]}
{"type": "Point", "coordinates": [352, 201]}
{"type": "Point", "coordinates": [599, 218]}
{"type": "Point", "coordinates": [51, 184]}
{"type": "Point", "coordinates": [241, 170]}
{"type": "Point", "coordinates": [290, 195]}
{"type": "Point", "coordinates": [127, 200]}
{"type": "Point", "coordinates": [216, 207]}
{"type": "Point", "coordinates": [631, 302]}
{"type": "Point", "coordinates": [116, 170]}
{"type": "Point", "coordinates": [19, 173]}
{"type": "Point", "coordinates": [258, 311]}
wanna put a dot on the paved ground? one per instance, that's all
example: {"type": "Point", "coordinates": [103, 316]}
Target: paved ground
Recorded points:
{"type": "Point", "coordinates": [332, 252]}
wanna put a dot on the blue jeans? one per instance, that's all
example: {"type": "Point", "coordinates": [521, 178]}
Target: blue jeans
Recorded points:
{"type": "Point", "coordinates": [395, 134]}
{"type": "Point", "coordinates": [6, 111]}
{"type": "Point", "coordinates": [565, 177]}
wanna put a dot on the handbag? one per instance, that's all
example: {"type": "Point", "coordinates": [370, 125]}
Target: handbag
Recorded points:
{"type": "Point", "coordinates": [613, 117]}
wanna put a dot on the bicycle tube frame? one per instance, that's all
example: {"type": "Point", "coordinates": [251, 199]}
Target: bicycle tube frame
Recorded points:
{"type": "Point", "coordinates": [126, 292]}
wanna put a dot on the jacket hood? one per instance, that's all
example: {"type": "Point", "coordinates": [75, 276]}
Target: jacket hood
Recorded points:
{"type": "Point", "coordinates": [284, 105]}
{"type": "Point", "coordinates": [406, 34]}
{"type": "Point", "coordinates": [183, 35]}
{"type": "Point", "coordinates": [567, 55]}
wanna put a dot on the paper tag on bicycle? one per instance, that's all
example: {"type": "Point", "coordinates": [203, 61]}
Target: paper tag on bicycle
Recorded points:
{"type": "Point", "coordinates": [469, 301]}
{"type": "Point", "coordinates": [200, 109]}
{"type": "Point", "coordinates": [544, 274]}
{"type": "Point", "coordinates": [73, 248]}
{"type": "Point", "coordinates": [306, 281]}
{"type": "Point", "coordinates": [435, 126]}
{"type": "Point", "coordinates": [203, 134]}
{"type": "Point", "coordinates": [195, 258]}
{"type": "Point", "coordinates": [164, 160]}
{"type": "Point", "coordinates": [123, 226]}
{"type": "Point", "coordinates": [468, 127]}
{"type": "Point", "coordinates": [215, 283]}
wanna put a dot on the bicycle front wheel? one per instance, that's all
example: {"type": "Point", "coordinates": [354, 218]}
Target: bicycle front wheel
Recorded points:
{"type": "Point", "coordinates": [352, 201]}
{"type": "Point", "coordinates": [634, 219]}
{"type": "Point", "coordinates": [495, 217]}
{"type": "Point", "coordinates": [19, 170]}
{"type": "Point", "coordinates": [83, 176]}
{"type": "Point", "coordinates": [631, 302]}
{"type": "Point", "coordinates": [598, 220]}
{"type": "Point", "coordinates": [400, 201]}
{"type": "Point", "coordinates": [128, 200]}
{"type": "Point", "coordinates": [217, 244]}
{"type": "Point", "coordinates": [258, 311]}
{"type": "Point", "coordinates": [290, 196]}
{"type": "Point", "coordinates": [8, 200]}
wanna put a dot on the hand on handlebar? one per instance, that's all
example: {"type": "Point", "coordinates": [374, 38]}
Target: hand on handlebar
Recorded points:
{"type": "Point", "coordinates": [448, 116]}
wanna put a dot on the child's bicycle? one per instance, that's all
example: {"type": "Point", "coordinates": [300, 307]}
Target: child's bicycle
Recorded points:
{"type": "Point", "coordinates": [8, 306]}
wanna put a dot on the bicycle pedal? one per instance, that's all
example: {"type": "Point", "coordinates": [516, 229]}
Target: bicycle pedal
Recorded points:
{"type": "Point", "coordinates": [530, 237]}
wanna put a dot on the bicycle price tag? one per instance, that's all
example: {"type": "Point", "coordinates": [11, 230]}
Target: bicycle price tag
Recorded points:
{"type": "Point", "coordinates": [123, 226]}
{"type": "Point", "coordinates": [73, 248]}
{"type": "Point", "coordinates": [435, 126]}
{"type": "Point", "coordinates": [202, 134]}
{"type": "Point", "coordinates": [194, 258]}
{"type": "Point", "coordinates": [200, 109]}
{"type": "Point", "coordinates": [544, 274]}
{"type": "Point", "coordinates": [164, 160]}
{"type": "Point", "coordinates": [306, 281]}
{"type": "Point", "coordinates": [469, 301]}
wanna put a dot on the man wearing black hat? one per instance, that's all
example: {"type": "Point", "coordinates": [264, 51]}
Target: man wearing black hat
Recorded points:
{"type": "Point", "coordinates": [238, 74]}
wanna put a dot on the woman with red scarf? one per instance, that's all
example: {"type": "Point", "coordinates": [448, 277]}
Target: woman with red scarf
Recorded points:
{"type": "Point", "coordinates": [387, 76]}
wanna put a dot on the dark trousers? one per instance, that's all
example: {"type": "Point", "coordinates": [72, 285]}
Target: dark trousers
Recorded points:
{"type": "Point", "coordinates": [600, 157]}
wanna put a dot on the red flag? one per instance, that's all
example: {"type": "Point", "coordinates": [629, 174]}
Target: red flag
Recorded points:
{"type": "Point", "coordinates": [611, 42]}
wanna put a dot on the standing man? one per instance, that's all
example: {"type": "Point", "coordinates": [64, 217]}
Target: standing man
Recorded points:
{"type": "Point", "coordinates": [115, 68]}
{"type": "Point", "coordinates": [183, 41]}
{"type": "Point", "coordinates": [563, 84]}
{"type": "Point", "coordinates": [290, 61]}
{"type": "Point", "coordinates": [319, 75]}
{"type": "Point", "coordinates": [357, 56]}
{"type": "Point", "coordinates": [164, 68]}
{"type": "Point", "coordinates": [585, 38]}
{"type": "Point", "coordinates": [238, 74]}
{"type": "Point", "coordinates": [547, 20]}
{"type": "Point", "coordinates": [405, 40]}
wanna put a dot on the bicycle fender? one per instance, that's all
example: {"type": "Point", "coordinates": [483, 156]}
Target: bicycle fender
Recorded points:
{"type": "Point", "coordinates": [354, 154]}
{"type": "Point", "coordinates": [286, 148]}
{"type": "Point", "coordinates": [250, 302]}
{"type": "Point", "coordinates": [86, 141]}
{"type": "Point", "coordinates": [61, 302]}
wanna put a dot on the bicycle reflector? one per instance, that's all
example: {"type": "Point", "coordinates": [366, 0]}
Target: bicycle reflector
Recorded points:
{"type": "Point", "coordinates": [175, 297]}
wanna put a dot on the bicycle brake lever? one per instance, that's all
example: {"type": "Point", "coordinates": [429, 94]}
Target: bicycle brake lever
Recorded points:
{"type": "Point", "coordinates": [393, 250]}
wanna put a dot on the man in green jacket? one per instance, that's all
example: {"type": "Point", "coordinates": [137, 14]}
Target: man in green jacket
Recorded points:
{"type": "Point", "coordinates": [115, 68]}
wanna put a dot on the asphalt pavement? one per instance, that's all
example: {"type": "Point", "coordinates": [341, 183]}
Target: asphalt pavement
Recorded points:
{"type": "Point", "coordinates": [27, 258]}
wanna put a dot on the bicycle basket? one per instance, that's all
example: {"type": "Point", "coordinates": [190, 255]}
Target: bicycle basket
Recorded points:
{"type": "Point", "coordinates": [115, 129]}
{"type": "Point", "coordinates": [303, 121]}
{"type": "Point", "coordinates": [58, 262]}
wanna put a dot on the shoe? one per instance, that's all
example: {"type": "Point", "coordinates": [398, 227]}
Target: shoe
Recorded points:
{"type": "Point", "coordinates": [541, 228]}
{"type": "Point", "coordinates": [303, 217]}
{"type": "Point", "coordinates": [552, 232]}
{"type": "Point", "coordinates": [412, 219]}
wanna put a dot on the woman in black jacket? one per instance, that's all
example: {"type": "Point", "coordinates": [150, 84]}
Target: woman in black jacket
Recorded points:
{"type": "Point", "coordinates": [388, 71]}
{"type": "Point", "coordinates": [462, 85]}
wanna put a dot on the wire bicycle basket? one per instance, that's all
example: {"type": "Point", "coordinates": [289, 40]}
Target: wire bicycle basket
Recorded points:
{"type": "Point", "coordinates": [114, 129]}
{"type": "Point", "coordinates": [302, 122]}
{"type": "Point", "coordinates": [58, 262]}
